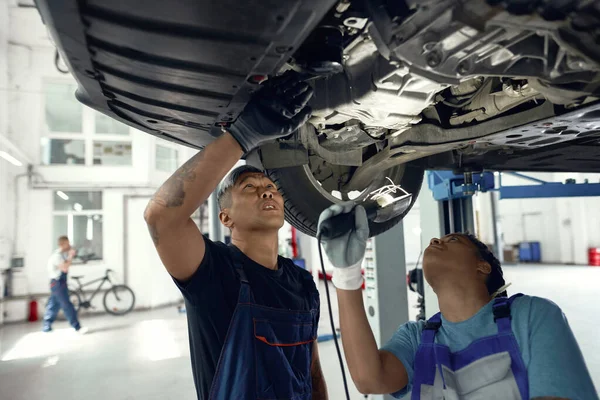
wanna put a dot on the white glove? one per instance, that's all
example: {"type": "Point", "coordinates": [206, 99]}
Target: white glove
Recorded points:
{"type": "Point", "coordinates": [349, 278]}
{"type": "Point", "coordinates": [346, 252]}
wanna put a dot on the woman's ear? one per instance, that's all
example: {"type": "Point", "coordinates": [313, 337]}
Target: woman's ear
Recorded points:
{"type": "Point", "coordinates": [484, 267]}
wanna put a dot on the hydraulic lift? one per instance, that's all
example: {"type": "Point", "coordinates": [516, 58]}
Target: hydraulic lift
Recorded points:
{"type": "Point", "coordinates": [446, 185]}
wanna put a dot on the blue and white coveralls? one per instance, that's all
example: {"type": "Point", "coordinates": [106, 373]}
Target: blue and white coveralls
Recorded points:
{"type": "Point", "coordinates": [490, 368]}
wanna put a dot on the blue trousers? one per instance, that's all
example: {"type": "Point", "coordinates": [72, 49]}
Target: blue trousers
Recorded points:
{"type": "Point", "coordinates": [59, 298]}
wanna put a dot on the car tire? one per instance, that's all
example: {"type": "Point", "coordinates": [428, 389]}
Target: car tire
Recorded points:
{"type": "Point", "coordinates": [304, 202]}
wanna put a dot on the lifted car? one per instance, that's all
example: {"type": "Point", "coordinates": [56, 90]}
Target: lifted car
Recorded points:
{"type": "Point", "coordinates": [400, 86]}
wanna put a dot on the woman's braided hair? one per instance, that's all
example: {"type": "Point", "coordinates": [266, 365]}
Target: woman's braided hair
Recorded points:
{"type": "Point", "coordinates": [496, 278]}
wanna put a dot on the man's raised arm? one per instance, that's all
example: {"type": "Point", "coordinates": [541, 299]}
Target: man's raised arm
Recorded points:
{"type": "Point", "coordinates": [177, 238]}
{"type": "Point", "coordinates": [276, 111]}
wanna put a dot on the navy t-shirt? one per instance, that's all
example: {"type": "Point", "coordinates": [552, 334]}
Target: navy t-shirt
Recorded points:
{"type": "Point", "coordinates": [211, 296]}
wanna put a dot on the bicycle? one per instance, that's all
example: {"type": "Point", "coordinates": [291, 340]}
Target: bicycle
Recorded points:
{"type": "Point", "coordinates": [123, 295]}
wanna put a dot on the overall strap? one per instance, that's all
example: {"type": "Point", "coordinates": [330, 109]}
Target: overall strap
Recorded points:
{"type": "Point", "coordinates": [238, 263]}
{"type": "Point", "coordinates": [502, 315]}
{"type": "Point", "coordinates": [310, 289]}
{"type": "Point", "coordinates": [430, 329]}
{"type": "Point", "coordinates": [246, 295]}
{"type": "Point", "coordinates": [428, 338]}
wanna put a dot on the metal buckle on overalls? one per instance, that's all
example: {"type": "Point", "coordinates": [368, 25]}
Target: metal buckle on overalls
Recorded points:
{"type": "Point", "coordinates": [502, 311]}
{"type": "Point", "coordinates": [242, 275]}
{"type": "Point", "coordinates": [433, 326]}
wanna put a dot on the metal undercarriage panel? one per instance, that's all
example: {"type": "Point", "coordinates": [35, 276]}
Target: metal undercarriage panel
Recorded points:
{"type": "Point", "coordinates": [569, 142]}
{"type": "Point", "coordinates": [581, 155]}
{"type": "Point", "coordinates": [453, 40]}
{"type": "Point", "coordinates": [180, 69]}
{"type": "Point", "coordinates": [176, 69]}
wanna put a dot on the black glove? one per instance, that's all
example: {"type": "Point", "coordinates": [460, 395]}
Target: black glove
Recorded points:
{"type": "Point", "coordinates": [278, 110]}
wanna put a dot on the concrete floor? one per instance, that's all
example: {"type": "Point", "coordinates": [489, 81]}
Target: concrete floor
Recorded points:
{"type": "Point", "coordinates": [145, 355]}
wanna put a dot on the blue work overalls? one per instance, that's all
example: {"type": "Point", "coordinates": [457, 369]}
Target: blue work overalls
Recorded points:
{"type": "Point", "coordinates": [59, 298]}
{"type": "Point", "coordinates": [267, 352]}
{"type": "Point", "coordinates": [489, 368]}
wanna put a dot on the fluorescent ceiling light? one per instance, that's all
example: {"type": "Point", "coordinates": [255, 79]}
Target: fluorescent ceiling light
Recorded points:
{"type": "Point", "coordinates": [77, 207]}
{"type": "Point", "coordinates": [62, 195]}
{"type": "Point", "coordinates": [10, 159]}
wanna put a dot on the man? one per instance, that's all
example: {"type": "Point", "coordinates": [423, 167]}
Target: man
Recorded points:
{"type": "Point", "coordinates": [58, 268]}
{"type": "Point", "coordinates": [252, 315]}
{"type": "Point", "coordinates": [482, 345]}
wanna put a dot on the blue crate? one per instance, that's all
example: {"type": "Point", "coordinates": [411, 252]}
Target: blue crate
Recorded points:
{"type": "Point", "coordinates": [536, 252]}
{"type": "Point", "coordinates": [530, 252]}
{"type": "Point", "coordinates": [524, 252]}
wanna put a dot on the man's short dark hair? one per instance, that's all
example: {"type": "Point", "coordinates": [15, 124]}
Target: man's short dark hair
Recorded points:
{"type": "Point", "coordinates": [223, 194]}
{"type": "Point", "coordinates": [496, 278]}
{"type": "Point", "coordinates": [63, 238]}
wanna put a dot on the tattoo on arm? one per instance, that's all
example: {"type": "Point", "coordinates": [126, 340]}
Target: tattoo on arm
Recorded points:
{"type": "Point", "coordinates": [319, 388]}
{"type": "Point", "coordinates": [172, 192]}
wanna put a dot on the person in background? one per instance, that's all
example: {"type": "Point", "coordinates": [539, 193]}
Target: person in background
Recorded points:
{"type": "Point", "coordinates": [482, 345]}
{"type": "Point", "coordinates": [58, 268]}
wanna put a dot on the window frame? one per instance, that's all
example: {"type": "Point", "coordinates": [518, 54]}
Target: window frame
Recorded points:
{"type": "Point", "coordinates": [74, 213]}
{"type": "Point", "coordinates": [168, 145]}
{"type": "Point", "coordinates": [88, 132]}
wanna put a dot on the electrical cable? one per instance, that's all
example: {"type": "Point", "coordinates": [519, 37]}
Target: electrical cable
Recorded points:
{"type": "Point", "coordinates": [335, 340]}
{"type": "Point", "coordinates": [57, 63]}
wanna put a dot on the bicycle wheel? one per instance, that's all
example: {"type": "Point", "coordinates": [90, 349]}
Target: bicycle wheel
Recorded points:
{"type": "Point", "coordinates": [119, 300]}
{"type": "Point", "coordinates": [75, 300]}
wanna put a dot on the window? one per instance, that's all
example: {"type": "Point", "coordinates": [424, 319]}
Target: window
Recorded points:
{"type": "Point", "coordinates": [79, 216]}
{"type": "Point", "coordinates": [63, 151]}
{"type": "Point", "coordinates": [112, 153]}
{"type": "Point", "coordinates": [107, 125]}
{"type": "Point", "coordinates": [200, 217]}
{"type": "Point", "coordinates": [75, 134]}
{"type": "Point", "coordinates": [166, 158]}
{"type": "Point", "coordinates": [63, 111]}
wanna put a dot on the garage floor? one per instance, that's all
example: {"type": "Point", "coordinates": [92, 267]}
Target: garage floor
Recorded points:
{"type": "Point", "coordinates": [145, 355]}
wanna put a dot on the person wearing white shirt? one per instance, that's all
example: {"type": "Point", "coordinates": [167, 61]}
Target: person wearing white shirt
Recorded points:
{"type": "Point", "coordinates": [58, 268]}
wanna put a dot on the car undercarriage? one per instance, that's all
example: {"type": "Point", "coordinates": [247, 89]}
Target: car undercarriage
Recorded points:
{"type": "Point", "coordinates": [400, 86]}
